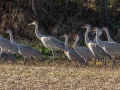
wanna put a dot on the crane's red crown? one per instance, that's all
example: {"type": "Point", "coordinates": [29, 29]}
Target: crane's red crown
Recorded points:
{"type": "Point", "coordinates": [75, 36]}
{"type": "Point", "coordinates": [86, 24]}
{"type": "Point", "coordinates": [103, 27]}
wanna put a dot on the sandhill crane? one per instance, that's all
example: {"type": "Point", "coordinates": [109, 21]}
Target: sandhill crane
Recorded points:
{"type": "Point", "coordinates": [71, 54]}
{"type": "Point", "coordinates": [48, 41]}
{"type": "Point", "coordinates": [95, 49]}
{"type": "Point", "coordinates": [100, 33]}
{"type": "Point", "coordinates": [111, 48]}
{"type": "Point", "coordinates": [25, 50]}
{"type": "Point", "coordinates": [5, 56]}
{"type": "Point", "coordinates": [82, 51]}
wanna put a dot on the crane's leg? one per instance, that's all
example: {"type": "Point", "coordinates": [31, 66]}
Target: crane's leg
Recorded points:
{"type": "Point", "coordinates": [31, 60]}
{"type": "Point", "coordinates": [54, 55]}
{"type": "Point", "coordinates": [114, 64]}
{"type": "Point", "coordinates": [4, 58]}
{"type": "Point", "coordinates": [12, 58]}
{"type": "Point", "coordinates": [24, 61]}
{"type": "Point", "coordinates": [104, 61]}
{"type": "Point", "coordinates": [94, 60]}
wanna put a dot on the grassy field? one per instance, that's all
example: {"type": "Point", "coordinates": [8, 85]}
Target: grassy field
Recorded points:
{"type": "Point", "coordinates": [58, 77]}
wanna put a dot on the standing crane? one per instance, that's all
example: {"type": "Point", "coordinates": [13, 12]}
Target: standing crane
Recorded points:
{"type": "Point", "coordinates": [25, 50]}
{"type": "Point", "coordinates": [72, 55]}
{"type": "Point", "coordinates": [48, 41]}
{"type": "Point", "coordinates": [100, 33]}
{"type": "Point", "coordinates": [111, 48]}
{"type": "Point", "coordinates": [95, 49]}
{"type": "Point", "coordinates": [82, 51]}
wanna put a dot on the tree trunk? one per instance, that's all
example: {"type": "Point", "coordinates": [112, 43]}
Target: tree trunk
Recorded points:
{"type": "Point", "coordinates": [106, 11]}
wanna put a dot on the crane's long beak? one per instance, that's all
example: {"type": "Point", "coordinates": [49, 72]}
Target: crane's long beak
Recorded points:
{"type": "Point", "coordinates": [82, 27]}
{"type": "Point", "coordinates": [30, 24]}
{"type": "Point", "coordinates": [61, 36]}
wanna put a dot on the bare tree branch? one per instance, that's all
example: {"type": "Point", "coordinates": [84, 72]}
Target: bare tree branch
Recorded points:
{"type": "Point", "coordinates": [33, 8]}
{"type": "Point", "coordinates": [45, 11]}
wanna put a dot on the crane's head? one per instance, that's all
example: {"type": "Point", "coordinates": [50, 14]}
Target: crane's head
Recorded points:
{"type": "Point", "coordinates": [33, 23]}
{"type": "Point", "coordinates": [8, 31]}
{"type": "Point", "coordinates": [104, 28]}
{"type": "Point", "coordinates": [100, 32]}
{"type": "Point", "coordinates": [76, 37]}
{"type": "Point", "coordinates": [86, 26]}
{"type": "Point", "coordinates": [97, 29]}
{"type": "Point", "coordinates": [65, 36]}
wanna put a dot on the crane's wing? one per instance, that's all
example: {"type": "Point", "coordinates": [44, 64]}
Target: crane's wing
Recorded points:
{"type": "Point", "coordinates": [25, 49]}
{"type": "Point", "coordinates": [112, 47]}
{"type": "Point", "coordinates": [54, 43]}
{"type": "Point", "coordinates": [14, 49]}
{"type": "Point", "coordinates": [85, 51]}
{"type": "Point", "coordinates": [75, 56]}
{"type": "Point", "coordinates": [7, 45]}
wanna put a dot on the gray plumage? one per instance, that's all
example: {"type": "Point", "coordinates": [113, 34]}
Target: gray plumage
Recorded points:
{"type": "Point", "coordinates": [6, 45]}
{"type": "Point", "coordinates": [25, 50]}
{"type": "Point", "coordinates": [48, 41]}
{"type": "Point", "coordinates": [71, 54]}
{"type": "Point", "coordinates": [111, 48]}
{"type": "Point", "coordinates": [82, 51]}
{"type": "Point", "coordinates": [95, 49]}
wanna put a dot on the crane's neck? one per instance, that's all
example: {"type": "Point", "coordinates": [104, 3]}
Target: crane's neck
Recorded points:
{"type": "Point", "coordinates": [75, 43]}
{"type": "Point", "coordinates": [66, 44]}
{"type": "Point", "coordinates": [98, 41]}
{"type": "Point", "coordinates": [96, 37]}
{"type": "Point", "coordinates": [108, 36]}
{"type": "Point", "coordinates": [87, 40]}
{"type": "Point", "coordinates": [11, 39]}
{"type": "Point", "coordinates": [39, 35]}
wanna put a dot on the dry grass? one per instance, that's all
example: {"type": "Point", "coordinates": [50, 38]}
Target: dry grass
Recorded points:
{"type": "Point", "coordinates": [20, 77]}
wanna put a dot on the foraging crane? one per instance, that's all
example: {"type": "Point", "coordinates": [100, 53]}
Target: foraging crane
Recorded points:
{"type": "Point", "coordinates": [71, 54]}
{"type": "Point", "coordinates": [92, 45]}
{"type": "Point", "coordinates": [25, 50]}
{"type": "Point", "coordinates": [48, 41]}
{"type": "Point", "coordinates": [82, 51]}
{"type": "Point", "coordinates": [111, 48]}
